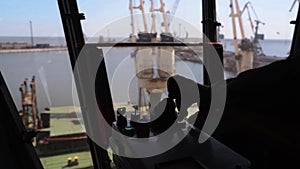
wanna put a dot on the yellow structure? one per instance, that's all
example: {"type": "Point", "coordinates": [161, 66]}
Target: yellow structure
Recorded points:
{"type": "Point", "coordinates": [244, 57]}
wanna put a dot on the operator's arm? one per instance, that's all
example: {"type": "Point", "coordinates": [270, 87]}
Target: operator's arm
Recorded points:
{"type": "Point", "coordinates": [270, 89]}
{"type": "Point", "coordinates": [186, 92]}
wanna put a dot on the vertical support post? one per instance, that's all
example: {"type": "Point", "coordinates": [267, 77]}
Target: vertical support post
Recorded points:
{"type": "Point", "coordinates": [72, 27]}
{"type": "Point", "coordinates": [142, 7]}
{"type": "Point", "coordinates": [152, 10]}
{"type": "Point", "coordinates": [132, 18]}
{"type": "Point", "coordinates": [31, 33]}
{"type": "Point", "coordinates": [235, 42]}
{"type": "Point", "coordinates": [209, 30]}
{"type": "Point", "coordinates": [165, 18]}
{"type": "Point", "coordinates": [75, 41]}
{"type": "Point", "coordinates": [34, 105]}
{"type": "Point", "coordinates": [239, 16]}
{"type": "Point", "coordinates": [296, 37]}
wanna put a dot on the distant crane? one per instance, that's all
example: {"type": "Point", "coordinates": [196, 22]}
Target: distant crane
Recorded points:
{"type": "Point", "coordinates": [142, 8]}
{"type": "Point", "coordinates": [244, 58]}
{"type": "Point", "coordinates": [29, 113]}
{"type": "Point", "coordinates": [257, 49]}
{"type": "Point", "coordinates": [172, 13]}
{"type": "Point", "coordinates": [244, 49]}
{"type": "Point", "coordinates": [31, 33]}
{"type": "Point", "coordinates": [166, 23]}
{"type": "Point", "coordinates": [293, 5]}
{"type": "Point", "coordinates": [152, 10]}
{"type": "Point", "coordinates": [154, 65]}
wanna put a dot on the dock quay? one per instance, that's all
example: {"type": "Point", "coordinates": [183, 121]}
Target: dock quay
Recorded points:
{"type": "Point", "coordinates": [30, 50]}
{"type": "Point", "coordinates": [258, 61]}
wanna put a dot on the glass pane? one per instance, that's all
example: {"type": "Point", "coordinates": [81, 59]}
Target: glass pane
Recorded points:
{"type": "Point", "coordinates": [129, 66]}
{"type": "Point", "coordinates": [138, 75]}
{"type": "Point", "coordinates": [32, 44]}
{"type": "Point", "coordinates": [266, 24]}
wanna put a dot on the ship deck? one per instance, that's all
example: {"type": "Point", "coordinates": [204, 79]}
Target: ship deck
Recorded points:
{"type": "Point", "coordinates": [64, 121]}
{"type": "Point", "coordinates": [60, 161]}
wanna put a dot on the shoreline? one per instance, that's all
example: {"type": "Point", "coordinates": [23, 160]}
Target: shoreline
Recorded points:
{"type": "Point", "coordinates": [230, 62]}
{"type": "Point", "coordinates": [29, 50]}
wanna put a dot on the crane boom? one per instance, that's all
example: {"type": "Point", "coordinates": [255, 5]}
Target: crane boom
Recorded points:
{"type": "Point", "coordinates": [245, 6]}
{"type": "Point", "coordinates": [142, 8]}
{"type": "Point", "coordinates": [173, 11]}
{"type": "Point", "coordinates": [152, 10]}
{"type": "Point", "coordinates": [132, 18]}
{"type": "Point", "coordinates": [243, 49]}
{"type": "Point", "coordinates": [234, 42]}
{"type": "Point", "coordinates": [293, 5]}
{"type": "Point", "coordinates": [239, 16]}
{"type": "Point", "coordinates": [165, 18]}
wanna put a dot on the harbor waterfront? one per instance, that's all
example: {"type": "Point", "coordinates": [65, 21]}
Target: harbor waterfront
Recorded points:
{"type": "Point", "coordinates": [150, 84]}
{"type": "Point", "coordinates": [29, 50]}
{"type": "Point", "coordinates": [54, 76]}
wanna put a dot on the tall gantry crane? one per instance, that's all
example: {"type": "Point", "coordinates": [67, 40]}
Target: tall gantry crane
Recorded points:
{"type": "Point", "coordinates": [153, 65]}
{"type": "Point", "coordinates": [244, 49]}
{"type": "Point", "coordinates": [257, 49]}
{"type": "Point", "coordinates": [172, 14]}
{"type": "Point", "coordinates": [142, 9]}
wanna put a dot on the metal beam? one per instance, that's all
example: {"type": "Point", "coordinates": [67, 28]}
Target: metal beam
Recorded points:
{"type": "Point", "coordinates": [210, 31]}
{"type": "Point", "coordinates": [146, 44]}
{"type": "Point", "coordinates": [17, 150]}
{"type": "Point", "coordinates": [72, 27]}
{"type": "Point", "coordinates": [71, 20]}
{"type": "Point", "coordinates": [295, 47]}
{"type": "Point", "coordinates": [209, 19]}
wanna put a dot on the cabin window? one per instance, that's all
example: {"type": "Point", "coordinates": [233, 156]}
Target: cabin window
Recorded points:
{"type": "Point", "coordinates": [143, 71]}
{"type": "Point", "coordinates": [33, 47]}
{"type": "Point", "coordinates": [265, 24]}
{"type": "Point", "coordinates": [32, 44]}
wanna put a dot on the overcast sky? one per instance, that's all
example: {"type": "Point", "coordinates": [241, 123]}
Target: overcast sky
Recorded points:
{"type": "Point", "coordinates": [110, 17]}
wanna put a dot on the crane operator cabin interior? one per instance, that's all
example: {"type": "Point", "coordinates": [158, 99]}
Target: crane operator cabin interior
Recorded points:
{"type": "Point", "coordinates": [151, 84]}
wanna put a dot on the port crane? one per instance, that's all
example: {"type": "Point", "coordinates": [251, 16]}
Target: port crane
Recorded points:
{"type": "Point", "coordinates": [293, 4]}
{"type": "Point", "coordinates": [29, 112]}
{"type": "Point", "coordinates": [257, 49]}
{"type": "Point", "coordinates": [245, 49]}
{"type": "Point", "coordinates": [145, 35]}
{"type": "Point", "coordinates": [171, 14]}
{"type": "Point", "coordinates": [153, 65]}
{"type": "Point", "coordinates": [244, 58]}
{"type": "Point", "coordinates": [167, 13]}
{"type": "Point", "coordinates": [142, 9]}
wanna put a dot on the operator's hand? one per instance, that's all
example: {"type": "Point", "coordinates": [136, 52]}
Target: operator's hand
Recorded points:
{"type": "Point", "coordinates": [185, 92]}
